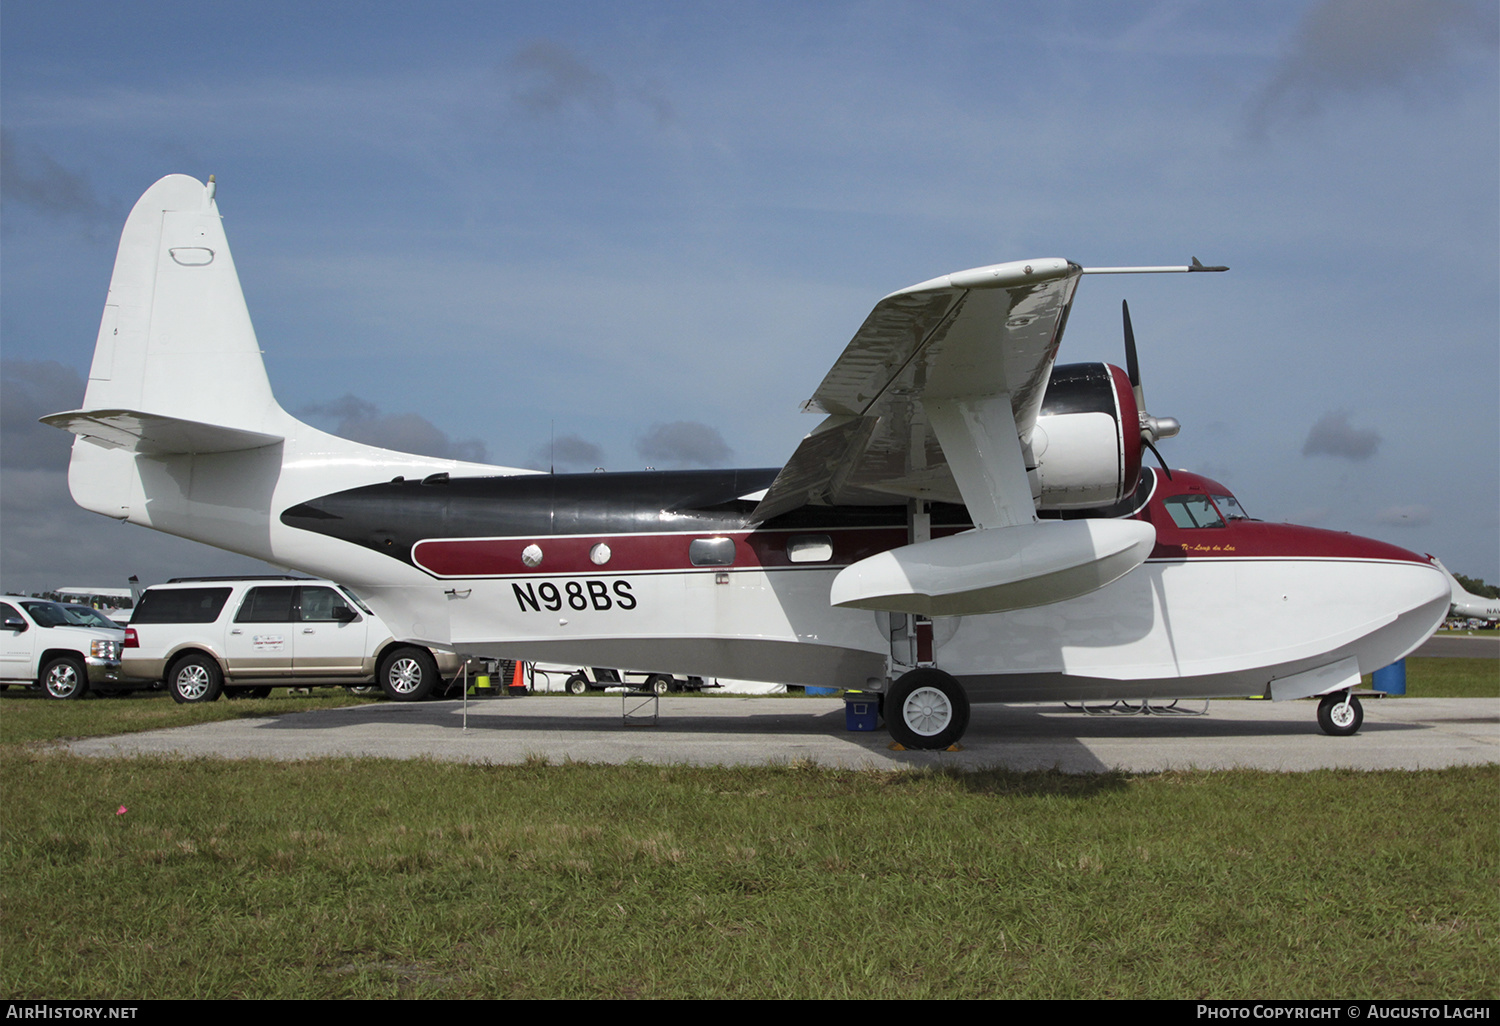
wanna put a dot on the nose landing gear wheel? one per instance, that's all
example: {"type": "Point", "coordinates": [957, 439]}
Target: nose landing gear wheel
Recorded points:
{"type": "Point", "coordinates": [1340, 714]}
{"type": "Point", "coordinates": [926, 709]}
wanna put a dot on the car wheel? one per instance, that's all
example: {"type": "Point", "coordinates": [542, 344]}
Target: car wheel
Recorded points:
{"type": "Point", "coordinates": [1338, 716]}
{"type": "Point", "coordinates": [195, 678]}
{"type": "Point", "coordinates": [65, 677]}
{"type": "Point", "coordinates": [660, 684]}
{"type": "Point", "coordinates": [364, 690]}
{"type": "Point", "coordinates": [408, 674]}
{"type": "Point", "coordinates": [578, 684]}
{"type": "Point", "coordinates": [927, 709]}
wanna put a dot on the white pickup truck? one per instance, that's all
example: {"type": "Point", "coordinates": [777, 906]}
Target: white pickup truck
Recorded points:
{"type": "Point", "coordinates": [42, 646]}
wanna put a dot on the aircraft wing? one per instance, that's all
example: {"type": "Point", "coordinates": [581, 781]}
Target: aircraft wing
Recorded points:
{"type": "Point", "coordinates": [964, 359]}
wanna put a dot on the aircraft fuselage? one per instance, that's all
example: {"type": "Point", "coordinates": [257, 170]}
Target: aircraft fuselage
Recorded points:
{"type": "Point", "coordinates": [667, 570]}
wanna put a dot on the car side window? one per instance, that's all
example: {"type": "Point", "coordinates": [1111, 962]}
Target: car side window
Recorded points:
{"type": "Point", "coordinates": [181, 605]}
{"type": "Point", "coordinates": [9, 612]}
{"type": "Point", "coordinates": [323, 605]}
{"type": "Point", "coordinates": [266, 605]}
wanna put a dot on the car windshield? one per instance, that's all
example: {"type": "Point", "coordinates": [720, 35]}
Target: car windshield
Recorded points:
{"type": "Point", "coordinates": [48, 614]}
{"type": "Point", "coordinates": [353, 597]}
{"type": "Point", "coordinates": [86, 617]}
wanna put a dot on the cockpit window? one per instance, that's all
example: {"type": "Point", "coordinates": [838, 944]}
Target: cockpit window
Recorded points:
{"type": "Point", "coordinates": [1230, 507]}
{"type": "Point", "coordinates": [1193, 511]}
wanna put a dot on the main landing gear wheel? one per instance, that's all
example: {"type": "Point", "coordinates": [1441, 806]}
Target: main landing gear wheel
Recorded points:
{"type": "Point", "coordinates": [195, 678]}
{"type": "Point", "coordinates": [577, 684]}
{"type": "Point", "coordinates": [926, 709]}
{"type": "Point", "coordinates": [1340, 714]}
{"type": "Point", "coordinates": [408, 675]}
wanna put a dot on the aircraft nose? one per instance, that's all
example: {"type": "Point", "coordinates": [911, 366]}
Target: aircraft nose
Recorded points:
{"type": "Point", "coordinates": [1416, 596]}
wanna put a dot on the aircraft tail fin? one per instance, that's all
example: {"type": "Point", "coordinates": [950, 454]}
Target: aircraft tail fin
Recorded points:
{"type": "Point", "coordinates": [175, 339]}
{"type": "Point", "coordinates": [178, 428]}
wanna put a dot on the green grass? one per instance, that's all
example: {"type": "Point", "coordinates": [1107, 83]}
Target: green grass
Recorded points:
{"type": "Point", "coordinates": [375, 878]}
{"type": "Point", "coordinates": [382, 878]}
{"type": "Point", "coordinates": [30, 716]}
{"type": "Point", "coordinates": [1445, 677]}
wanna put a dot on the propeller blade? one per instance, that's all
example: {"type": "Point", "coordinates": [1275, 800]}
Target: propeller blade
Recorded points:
{"type": "Point", "coordinates": [1147, 442]}
{"type": "Point", "coordinates": [1132, 365]}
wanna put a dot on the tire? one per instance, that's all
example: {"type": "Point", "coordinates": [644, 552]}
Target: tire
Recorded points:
{"type": "Point", "coordinates": [260, 691]}
{"type": "Point", "coordinates": [195, 678]}
{"type": "Point", "coordinates": [578, 684]}
{"type": "Point", "coordinates": [65, 677]}
{"type": "Point", "coordinates": [927, 709]}
{"type": "Point", "coordinates": [660, 684]}
{"type": "Point", "coordinates": [1338, 718]}
{"type": "Point", "coordinates": [408, 674]}
{"type": "Point", "coordinates": [364, 690]}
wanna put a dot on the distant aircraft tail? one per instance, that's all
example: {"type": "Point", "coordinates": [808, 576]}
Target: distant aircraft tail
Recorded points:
{"type": "Point", "coordinates": [1465, 602]}
{"type": "Point", "coordinates": [179, 430]}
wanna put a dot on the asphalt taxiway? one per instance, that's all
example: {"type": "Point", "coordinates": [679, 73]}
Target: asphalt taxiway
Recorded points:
{"type": "Point", "coordinates": [1398, 733]}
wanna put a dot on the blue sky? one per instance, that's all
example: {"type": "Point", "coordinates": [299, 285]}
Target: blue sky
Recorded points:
{"type": "Point", "coordinates": [647, 230]}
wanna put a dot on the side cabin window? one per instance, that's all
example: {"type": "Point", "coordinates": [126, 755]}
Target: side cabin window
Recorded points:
{"type": "Point", "coordinates": [809, 548]}
{"type": "Point", "coordinates": [711, 552]}
{"type": "Point", "coordinates": [1193, 511]}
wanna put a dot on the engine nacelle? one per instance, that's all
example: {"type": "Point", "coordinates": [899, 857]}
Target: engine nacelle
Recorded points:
{"type": "Point", "coordinates": [1085, 449]}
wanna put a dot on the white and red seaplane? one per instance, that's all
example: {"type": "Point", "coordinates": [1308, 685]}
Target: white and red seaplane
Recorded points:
{"type": "Point", "coordinates": [970, 521]}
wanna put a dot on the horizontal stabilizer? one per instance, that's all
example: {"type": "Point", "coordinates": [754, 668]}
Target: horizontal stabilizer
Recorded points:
{"type": "Point", "coordinates": [152, 434]}
{"type": "Point", "coordinates": [990, 571]}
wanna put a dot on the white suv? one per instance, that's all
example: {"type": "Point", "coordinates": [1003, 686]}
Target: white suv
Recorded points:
{"type": "Point", "coordinates": [41, 645]}
{"type": "Point", "coordinates": [209, 635]}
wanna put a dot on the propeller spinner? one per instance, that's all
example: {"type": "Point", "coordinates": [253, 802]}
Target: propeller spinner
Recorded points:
{"type": "Point", "coordinates": [1152, 428]}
